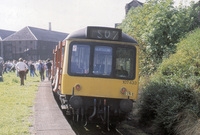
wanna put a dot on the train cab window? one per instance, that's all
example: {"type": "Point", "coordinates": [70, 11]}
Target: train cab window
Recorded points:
{"type": "Point", "coordinates": [80, 59]}
{"type": "Point", "coordinates": [124, 62]}
{"type": "Point", "coordinates": [102, 64]}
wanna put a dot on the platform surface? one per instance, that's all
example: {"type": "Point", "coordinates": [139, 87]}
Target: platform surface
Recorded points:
{"type": "Point", "coordinates": [48, 118]}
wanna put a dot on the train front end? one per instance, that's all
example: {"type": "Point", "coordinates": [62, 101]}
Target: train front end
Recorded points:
{"type": "Point", "coordinates": [100, 73]}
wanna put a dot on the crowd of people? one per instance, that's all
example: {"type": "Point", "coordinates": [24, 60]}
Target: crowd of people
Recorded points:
{"type": "Point", "coordinates": [23, 68]}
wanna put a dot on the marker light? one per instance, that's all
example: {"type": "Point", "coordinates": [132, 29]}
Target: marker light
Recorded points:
{"type": "Point", "coordinates": [123, 90]}
{"type": "Point", "coordinates": [78, 87]}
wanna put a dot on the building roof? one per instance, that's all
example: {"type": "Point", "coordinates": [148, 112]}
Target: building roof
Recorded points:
{"type": "Point", "coordinates": [5, 33]}
{"type": "Point", "coordinates": [133, 3]}
{"type": "Point", "coordinates": [32, 33]}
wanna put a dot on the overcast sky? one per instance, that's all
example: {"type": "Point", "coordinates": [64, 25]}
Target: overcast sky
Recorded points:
{"type": "Point", "coordinates": [64, 15]}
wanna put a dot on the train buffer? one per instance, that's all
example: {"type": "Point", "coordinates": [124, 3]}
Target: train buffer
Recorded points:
{"type": "Point", "coordinates": [48, 118]}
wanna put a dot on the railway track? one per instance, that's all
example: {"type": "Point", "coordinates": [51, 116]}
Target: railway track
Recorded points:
{"type": "Point", "coordinates": [94, 128]}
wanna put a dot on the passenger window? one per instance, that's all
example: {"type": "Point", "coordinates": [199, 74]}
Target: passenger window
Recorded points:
{"type": "Point", "coordinates": [102, 60]}
{"type": "Point", "coordinates": [80, 59]}
{"type": "Point", "coordinates": [124, 62]}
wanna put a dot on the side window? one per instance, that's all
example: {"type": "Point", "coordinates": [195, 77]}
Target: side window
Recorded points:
{"type": "Point", "coordinates": [55, 59]}
{"type": "Point", "coordinates": [102, 60]}
{"type": "Point", "coordinates": [80, 59]}
{"type": "Point", "coordinates": [124, 62]}
{"type": "Point", "coordinates": [63, 51]}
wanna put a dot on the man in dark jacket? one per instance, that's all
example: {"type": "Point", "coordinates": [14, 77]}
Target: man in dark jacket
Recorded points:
{"type": "Point", "coordinates": [41, 70]}
{"type": "Point", "coordinates": [48, 65]}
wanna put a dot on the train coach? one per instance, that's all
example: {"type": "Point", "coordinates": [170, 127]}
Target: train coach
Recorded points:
{"type": "Point", "coordinates": [95, 73]}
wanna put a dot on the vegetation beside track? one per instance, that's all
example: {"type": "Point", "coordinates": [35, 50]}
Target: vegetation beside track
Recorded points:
{"type": "Point", "coordinates": [16, 102]}
{"type": "Point", "coordinates": [169, 44]}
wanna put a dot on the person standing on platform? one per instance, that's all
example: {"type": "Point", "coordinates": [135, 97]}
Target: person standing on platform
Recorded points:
{"type": "Point", "coordinates": [5, 65]}
{"type": "Point", "coordinates": [22, 68]}
{"type": "Point", "coordinates": [1, 71]}
{"type": "Point", "coordinates": [32, 69]}
{"type": "Point", "coordinates": [48, 65]}
{"type": "Point", "coordinates": [27, 69]}
{"type": "Point", "coordinates": [41, 70]}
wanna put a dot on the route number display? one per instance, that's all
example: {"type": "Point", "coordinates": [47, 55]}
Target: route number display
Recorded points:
{"type": "Point", "coordinates": [104, 33]}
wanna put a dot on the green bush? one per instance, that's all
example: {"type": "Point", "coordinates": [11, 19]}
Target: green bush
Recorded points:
{"type": "Point", "coordinates": [185, 63]}
{"type": "Point", "coordinates": [161, 101]}
{"type": "Point", "coordinates": [174, 88]}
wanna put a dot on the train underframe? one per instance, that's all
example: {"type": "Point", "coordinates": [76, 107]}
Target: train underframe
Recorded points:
{"type": "Point", "coordinates": [87, 109]}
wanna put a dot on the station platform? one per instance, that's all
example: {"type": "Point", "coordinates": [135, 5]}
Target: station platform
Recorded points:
{"type": "Point", "coordinates": [48, 118]}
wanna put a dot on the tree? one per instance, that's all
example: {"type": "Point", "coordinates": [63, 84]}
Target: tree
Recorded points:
{"type": "Point", "coordinates": [158, 26]}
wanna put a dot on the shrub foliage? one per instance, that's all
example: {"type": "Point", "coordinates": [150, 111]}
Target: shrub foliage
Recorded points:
{"type": "Point", "coordinates": [162, 101]}
{"type": "Point", "coordinates": [158, 27]}
{"type": "Point", "coordinates": [174, 88]}
{"type": "Point", "coordinates": [184, 65]}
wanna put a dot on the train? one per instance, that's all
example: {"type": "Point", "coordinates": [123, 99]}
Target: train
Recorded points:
{"type": "Point", "coordinates": [96, 74]}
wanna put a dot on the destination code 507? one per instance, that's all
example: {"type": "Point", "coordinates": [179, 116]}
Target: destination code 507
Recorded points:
{"type": "Point", "coordinates": [104, 34]}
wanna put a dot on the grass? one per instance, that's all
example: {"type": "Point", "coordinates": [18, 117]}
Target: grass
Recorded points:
{"type": "Point", "coordinates": [15, 104]}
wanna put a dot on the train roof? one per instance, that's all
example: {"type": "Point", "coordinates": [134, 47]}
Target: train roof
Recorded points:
{"type": "Point", "coordinates": [91, 32]}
